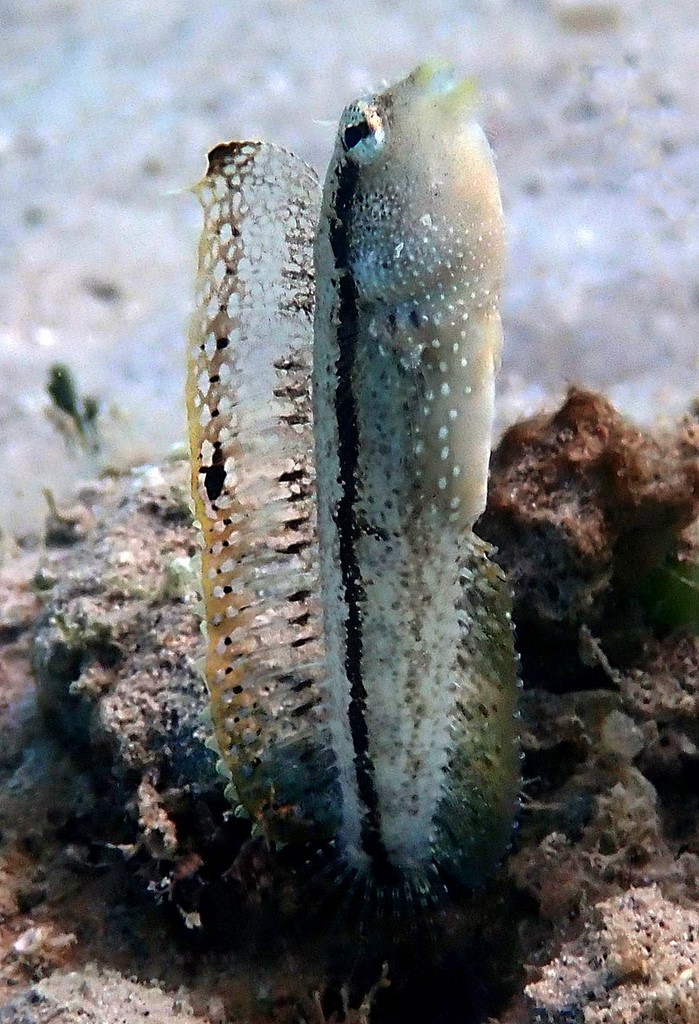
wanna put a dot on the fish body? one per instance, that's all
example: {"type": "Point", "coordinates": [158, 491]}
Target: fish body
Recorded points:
{"type": "Point", "coordinates": [251, 442]}
{"type": "Point", "coordinates": [360, 655]}
{"type": "Point", "coordinates": [421, 680]}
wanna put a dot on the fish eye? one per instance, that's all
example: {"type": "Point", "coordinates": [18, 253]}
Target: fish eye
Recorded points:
{"type": "Point", "coordinates": [362, 132]}
{"type": "Point", "coordinates": [354, 133]}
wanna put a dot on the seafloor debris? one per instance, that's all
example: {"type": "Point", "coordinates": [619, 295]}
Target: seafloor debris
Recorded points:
{"type": "Point", "coordinates": [96, 997]}
{"type": "Point", "coordinates": [75, 417]}
{"type": "Point", "coordinates": [584, 508]}
{"type": "Point", "coordinates": [116, 657]}
{"type": "Point", "coordinates": [636, 962]}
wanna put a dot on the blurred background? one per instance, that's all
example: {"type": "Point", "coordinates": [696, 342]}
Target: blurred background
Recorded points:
{"type": "Point", "coordinates": [107, 111]}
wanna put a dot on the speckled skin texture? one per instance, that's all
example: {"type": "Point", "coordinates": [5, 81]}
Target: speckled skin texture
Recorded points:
{"type": "Point", "coordinates": [252, 478]}
{"type": "Point", "coordinates": [421, 669]}
{"type": "Point", "coordinates": [390, 724]}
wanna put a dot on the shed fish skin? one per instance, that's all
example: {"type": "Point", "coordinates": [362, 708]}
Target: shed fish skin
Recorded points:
{"type": "Point", "coordinates": [421, 669]}
{"type": "Point", "coordinates": [361, 669]}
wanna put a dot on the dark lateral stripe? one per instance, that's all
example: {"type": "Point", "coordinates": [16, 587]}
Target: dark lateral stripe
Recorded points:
{"type": "Point", "coordinates": [345, 514]}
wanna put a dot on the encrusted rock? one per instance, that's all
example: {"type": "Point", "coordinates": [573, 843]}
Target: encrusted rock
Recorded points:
{"type": "Point", "coordinates": [582, 504]}
{"type": "Point", "coordinates": [637, 962]}
{"type": "Point", "coordinates": [116, 654]}
{"type": "Point", "coordinates": [96, 997]}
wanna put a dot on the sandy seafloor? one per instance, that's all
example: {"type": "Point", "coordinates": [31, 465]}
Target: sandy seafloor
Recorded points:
{"type": "Point", "coordinates": [106, 113]}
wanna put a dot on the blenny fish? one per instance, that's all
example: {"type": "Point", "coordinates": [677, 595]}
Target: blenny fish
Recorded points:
{"type": "Point", "coordinates": [360, 654]}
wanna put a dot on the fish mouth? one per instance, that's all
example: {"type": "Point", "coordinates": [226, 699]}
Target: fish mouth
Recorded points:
{"type": "Point", "coordinates": [438, 78]}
